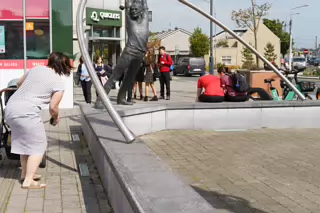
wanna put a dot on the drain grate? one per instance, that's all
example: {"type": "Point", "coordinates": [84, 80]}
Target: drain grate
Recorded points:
{"type": "Point", "coordinates": [84, 170]}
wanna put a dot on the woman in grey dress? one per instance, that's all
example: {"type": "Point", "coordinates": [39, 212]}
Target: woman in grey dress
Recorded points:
{"type": "Point", "coordinates": [40, 86]}
{"type": "Point", "coordinates": [149, 77]}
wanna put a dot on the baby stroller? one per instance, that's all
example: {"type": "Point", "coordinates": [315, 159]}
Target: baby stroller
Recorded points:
{"type": "Point", "coordinates": [5, 133]}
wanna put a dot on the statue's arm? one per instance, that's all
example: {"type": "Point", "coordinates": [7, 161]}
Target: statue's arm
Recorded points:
{"type": "Point", "coordinates": [128, 4]}
{"type": "Point", "coordinates": [145, 5]}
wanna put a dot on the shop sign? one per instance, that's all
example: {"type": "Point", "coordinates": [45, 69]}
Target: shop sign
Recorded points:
{"type": "Point", "coordinates": [103, 17]}
{"type": "Point", "coordinates": [18, 64]}
{"type": "Point", "coordinates": [2, 40]}
{"type": "Point", "coordinates": [29, 26]}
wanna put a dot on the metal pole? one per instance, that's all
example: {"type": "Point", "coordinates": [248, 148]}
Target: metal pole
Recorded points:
{"type": "Point", "coordinates": [127, 134]}
{"type": "Point", "coordinates": [290, 47]}
{"type": "Point", "coordinates": [211, 66]}
{"type": "Point", "coordinates": [24, 36]}
{"type": "Point", "coordinates": [215, 33]}
{"type": "Point", "coordinates": [50, 24]}
{"type": "Point", "coordinates": [300, 95]}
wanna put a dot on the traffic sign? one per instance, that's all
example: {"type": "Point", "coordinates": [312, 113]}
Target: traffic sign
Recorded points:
{"type": "Point", "coordinates": [305, 51]}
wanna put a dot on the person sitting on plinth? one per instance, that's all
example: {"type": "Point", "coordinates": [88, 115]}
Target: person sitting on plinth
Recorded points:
{"type": "Point", "coordinates": [212, 89]}
{"type": "Point", "coordinates": [228, 87]}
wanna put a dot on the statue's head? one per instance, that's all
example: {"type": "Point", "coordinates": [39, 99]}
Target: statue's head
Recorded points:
{"type": "Point", "coordinates": [136, 9]}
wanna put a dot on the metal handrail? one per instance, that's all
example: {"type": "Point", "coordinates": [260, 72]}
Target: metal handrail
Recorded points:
{"type": "Point", "coordinates": [127, 134]}
{"type": "Point", "coordinates": [300, 95]}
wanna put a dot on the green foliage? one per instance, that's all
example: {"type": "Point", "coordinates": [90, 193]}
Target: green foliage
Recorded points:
{"type": "Point", "coordinates": [247, 58]}
{"type": "Point", "coordinates": [250, 18]}
{"type": "Point", "coordinates": [269, 52]}
{"type": "Point", "coordinates": [199, 43]}
{"type": "Point", "coordinates": [276, 26]}
{"type": "Point", "coordinates": [222, 43]}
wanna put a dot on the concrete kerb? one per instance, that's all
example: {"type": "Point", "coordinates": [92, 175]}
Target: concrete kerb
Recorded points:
{"type": "Point", "coordinates": [136, 180]}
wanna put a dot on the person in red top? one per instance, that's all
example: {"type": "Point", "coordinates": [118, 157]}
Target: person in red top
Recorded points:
{"type": "Point", "coordinates": [165, 62]}
{"type": "Point", "coordinates": [227, 85]}
{"type": "Point", "coordinates": [212, 89]}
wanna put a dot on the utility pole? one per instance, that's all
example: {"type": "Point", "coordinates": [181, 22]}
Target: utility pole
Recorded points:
{"type": "Point", "coordinates": [211, 66]}
{"type": "Point", "coordinates": [290, 48]}
{"type": "Point", "coordinates": [316, 42]}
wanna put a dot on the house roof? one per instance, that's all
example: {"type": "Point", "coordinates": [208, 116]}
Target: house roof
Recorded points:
{"type": "Point", "coordinates": [165, 34]}
{"type": "Point", "coordinates": [239, 32]}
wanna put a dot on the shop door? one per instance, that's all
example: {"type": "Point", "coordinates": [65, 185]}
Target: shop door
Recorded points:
{"type": "Point", "coordinates": [106, 49]}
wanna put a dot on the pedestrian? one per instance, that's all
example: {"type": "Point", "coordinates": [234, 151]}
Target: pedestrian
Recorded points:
{"type": "Point", "coordinates": [101, 70]}
{"type": "Point", "coordinates": [150, 77]}
{"type": "Point", "coordinates": [139, 81]}
{"type": "Point", "coordinates": [40, 86]}
{"type": "Point", "coordinates": [85, 81]}
{"type": "Point", "coordinates": [165, 62]}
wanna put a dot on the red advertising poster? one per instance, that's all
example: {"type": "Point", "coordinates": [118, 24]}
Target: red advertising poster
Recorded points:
{"type": "Point", "coordinates": [11, 10]}
{"type": "Point", "coordinates": [18, 64]}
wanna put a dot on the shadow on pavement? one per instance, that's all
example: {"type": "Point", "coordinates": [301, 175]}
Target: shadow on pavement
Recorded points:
{"type": "Point", "coordinates": [231, 203]}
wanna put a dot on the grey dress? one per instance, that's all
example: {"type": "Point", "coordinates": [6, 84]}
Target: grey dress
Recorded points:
{"type": "Point", "coordinates": [22, 112]}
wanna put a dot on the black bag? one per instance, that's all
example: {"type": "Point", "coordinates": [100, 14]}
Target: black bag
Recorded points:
{"type": "Point", "coordinates": [240, 82]}
{"type": "Point", "coordinates": [156, 72]}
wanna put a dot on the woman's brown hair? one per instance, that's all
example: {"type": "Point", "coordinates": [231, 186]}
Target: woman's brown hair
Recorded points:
{"type": "Point", "coordinates": [60, 63]}
{"type": "Point", "coordinates": [99, 58]}
{"type": "Point", "coordinates": [149, 59]}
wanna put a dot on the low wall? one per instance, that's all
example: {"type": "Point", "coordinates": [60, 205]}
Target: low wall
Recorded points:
{"type": "Point", "coordinates": [136, 180]}
{"type": "Point", "coordinates": [224, 116]}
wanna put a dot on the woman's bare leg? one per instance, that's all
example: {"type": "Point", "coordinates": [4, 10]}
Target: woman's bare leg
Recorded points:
{"type": "Point", "coordinates": [147, 89]}
{"type": "Point", "coordinates": [140, 88]}
{"type": "Point", "coordinates": [153, 87]}
{"type": "Point", "coordinates": [23, 160]}
{"type": "Point", "coordinates": [33, 163]}
{"type": "Point", "coordinates": [135, 90]}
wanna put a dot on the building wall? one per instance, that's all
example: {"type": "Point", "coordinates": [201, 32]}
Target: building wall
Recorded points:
{"type": "Point", "coordinates": [264, 36]}
{"type": "Point", "coordinates": [179, 39]}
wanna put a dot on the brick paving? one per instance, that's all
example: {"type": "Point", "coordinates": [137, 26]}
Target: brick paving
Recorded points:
{"type": "Point", "coordinates": [67, 190]}
{"type": "Point", "coordinates": [258, 171]}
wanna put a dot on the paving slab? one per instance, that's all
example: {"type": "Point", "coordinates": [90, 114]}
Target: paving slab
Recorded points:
{"type": "Point", "coordinates": [260, 171]}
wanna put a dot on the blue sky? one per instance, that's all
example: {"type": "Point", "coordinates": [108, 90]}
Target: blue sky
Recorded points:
{"type": "Point", "coordinates": [171, 13]}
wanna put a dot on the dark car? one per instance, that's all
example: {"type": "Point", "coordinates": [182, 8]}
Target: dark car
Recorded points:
{"type": "Point", "coordinates": [190, 66]}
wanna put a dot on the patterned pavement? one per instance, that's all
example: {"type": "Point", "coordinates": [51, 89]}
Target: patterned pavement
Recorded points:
{"type": "Point", "coordinates": [257, 171]}
{"type": "Point", "coordinates": [68, 189]}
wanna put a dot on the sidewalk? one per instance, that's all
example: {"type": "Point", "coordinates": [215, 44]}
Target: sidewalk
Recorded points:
{"type": "Point", "coordinates": [73, 184]}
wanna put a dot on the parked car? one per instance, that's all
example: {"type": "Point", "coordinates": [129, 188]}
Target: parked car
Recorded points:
{"type": "Point", "coordinates": [301, 62]}
{"type": "Point", "coordinates": [189, 66]}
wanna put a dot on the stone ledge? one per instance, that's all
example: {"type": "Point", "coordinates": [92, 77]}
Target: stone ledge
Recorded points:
{"type": "Point", "coordinates": [138, 109]}
{"type": "Point", "coordinates": [135, 179]}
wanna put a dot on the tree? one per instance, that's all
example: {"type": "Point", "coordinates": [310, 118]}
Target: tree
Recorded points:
{"type": "Point", "coordinates": [199, 43]}
{"type": "Point", "coordinates": [276, 26]}
{"type": "Point", "coordinates": [250, 18]}
{"type": "Point", "coordinates": [247, 58]}
{"type": "Point", "coordinates": [222, 43]}
{"type": "Point", "coordinates": [269, 52]}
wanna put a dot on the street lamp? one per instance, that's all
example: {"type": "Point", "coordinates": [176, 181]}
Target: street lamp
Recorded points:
{"type": "Point", "coordinates": [211, 59]}
{"type": "Point", "coordinates": [290, 25]}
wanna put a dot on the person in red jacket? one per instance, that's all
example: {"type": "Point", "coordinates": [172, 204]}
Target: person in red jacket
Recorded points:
{"type": "Point", "coordinates": [209, 89]}
{"type": "Point", "coordinates": [165, 62]}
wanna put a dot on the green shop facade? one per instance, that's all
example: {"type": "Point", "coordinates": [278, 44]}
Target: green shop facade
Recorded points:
{"type": "Point", "coordinates": [104, 33]}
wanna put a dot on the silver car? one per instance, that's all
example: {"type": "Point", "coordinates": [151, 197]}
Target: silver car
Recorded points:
{"type": "Point", "coordinates": [301, 62]}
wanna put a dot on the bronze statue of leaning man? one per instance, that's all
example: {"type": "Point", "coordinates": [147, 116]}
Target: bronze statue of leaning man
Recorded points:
{"type": "Point", "coordinates": [137, 26]}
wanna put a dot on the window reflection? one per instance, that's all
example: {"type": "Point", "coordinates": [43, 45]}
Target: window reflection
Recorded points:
{"type": "Point", "coordinates": [13, 40]}
{"type": "Point", "coordinates": [38, 40]}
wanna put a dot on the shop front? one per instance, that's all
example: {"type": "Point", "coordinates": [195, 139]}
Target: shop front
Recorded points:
{"type": "Point", "coordinates": [29, 31]}
{"type": "Point", "coordinates": [104, 33]}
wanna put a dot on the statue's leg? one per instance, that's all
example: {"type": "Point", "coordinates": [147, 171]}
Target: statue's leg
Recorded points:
{"type": "Point", "coordinates": [128, 81]}
{"type": "Point", "coordinates": [117, 73]}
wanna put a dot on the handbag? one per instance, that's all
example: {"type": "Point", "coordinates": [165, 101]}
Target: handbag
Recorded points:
{"type": "Point", "coordinates": [154, 75]}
